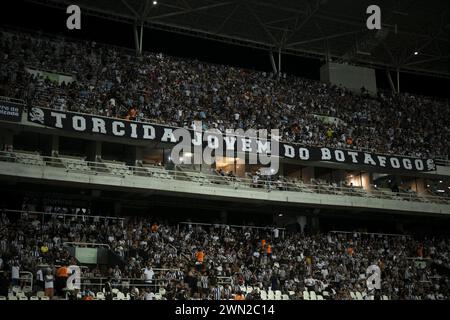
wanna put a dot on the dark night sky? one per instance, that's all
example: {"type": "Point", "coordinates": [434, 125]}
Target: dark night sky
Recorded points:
{"type": "Point", "coordinates": [51, 20]}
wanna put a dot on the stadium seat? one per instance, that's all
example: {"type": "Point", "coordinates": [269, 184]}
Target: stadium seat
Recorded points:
{"type": "Point", "coordinates": [285, 297]}
{"type": "Point", "coordinates": [249, 289]}
{"type": "Point", "coordinates": [270, 295]}
{"type": "Point", "coordinates": [115, 291]}
{"type": "Point", "coordinates": [305, 295]}
{"type": "Point", "coordinates": [158, 296]}
{"type": "Point", "coordinates": [116, 298]}
{"type": "Point", "coordinates": [40, 294]}
{"type": "Point", "coordinates": [312, 295]}
{"type": "Point", "coordinates": [162, 291]}
{"type": "Point", "coordinates": [27, 289]}
{"type": "Point", "coordinates": [359, 295]}
{"type": "Point", "coordinates": [319, 297]}
{"type": "Point", "coordinates": [12, 298]}
{"type": "Point", "coordinates": [352, 295]}
{"type": "Point", "coordinates": [16, 289]}
{"type": "Point", "coordinates": [34, 298]}
{"type": "Point", "coordinates": [385, 298]}
{"type": "Point", "coordinates": [2, 298]}
{"type": "Point", "coordinates": [100, 296]}
{"type": "Point", "coordinates": [45, 298]}
{"type": "Point", "coordinates": [23, 298]}
{"type": "Point", "coordinates": [263, 295]}
{"type": "Point", "coordinates": [125, 285]}
{"type": "Point", "coordinates": [121, 295]}
{"type": "Point", "coordinates": [325, 294]}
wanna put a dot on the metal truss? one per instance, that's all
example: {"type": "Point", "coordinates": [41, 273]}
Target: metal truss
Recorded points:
{"type": "Point", "coordinates": [323, 29]}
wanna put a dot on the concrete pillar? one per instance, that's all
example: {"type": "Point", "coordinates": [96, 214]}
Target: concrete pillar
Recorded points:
{"type": "Point", "coordinates": [54, 146]}
{"type": "Point", "coordinates": [302, 221]}
{"type": "Point", "coordinates": [94, 150]}
{"type": "Point", "coordinates": [338, 176]}
{"type": "Point", "coordinates": [367, 181]}
{"type": "Point", "coordinates": [308, 174]}
{"type": "Point", "coordinates": [139, 155]}
{"type": "Point", "coordinates": [117, 208]}
{"type": "Point", "coordinates": [313, 223]}
{"type": "Point", "coordinates": [419, 186]}
{"type": "Point", "coordinates": [223, 217]}
{"type": "Point", "coordinates": [6, 139]}
{"type": "Point", "coordinates": [281, 170]}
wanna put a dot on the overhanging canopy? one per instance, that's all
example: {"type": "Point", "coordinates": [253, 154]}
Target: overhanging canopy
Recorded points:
{"type": "Point", "coordinates": [313, 28]}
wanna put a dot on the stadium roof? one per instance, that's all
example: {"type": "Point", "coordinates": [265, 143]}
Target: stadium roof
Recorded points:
{"type": "Point", "coordinates": [415, 34]}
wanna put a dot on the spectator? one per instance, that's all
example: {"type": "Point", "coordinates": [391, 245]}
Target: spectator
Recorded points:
{"type": "Point", "coordinates": [49, 286]}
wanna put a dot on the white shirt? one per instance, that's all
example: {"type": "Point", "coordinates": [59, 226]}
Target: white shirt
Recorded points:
{"type": "Point", "coordinates": [149, 296]}
{"type": "Point", "coordinates": [48, 282]}
{"type": "Point", "coordinates": [39, 275]}
{"type": "Point", "coordinates": [15, 272]}
{"type": "Point", "coordinates": [148, 273]}
{"type": "Point", "coordinates": [276, 233]}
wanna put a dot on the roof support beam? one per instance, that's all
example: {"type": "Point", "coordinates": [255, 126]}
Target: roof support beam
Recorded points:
{"type": "Point", "coordinates": [333, 36]}
{"type": "Point", "coordinates": [191, 10]}
{"type": "Point", "coordinates": [130, 8]}
{"type": "Point", "coordinates": [297, 28]}
{"type": "Point", "coordinates": [225, 21]}
{"type": "Point", "coordinates": [275, 42]}
{"type": "Point", "coordinates": [427, 60]}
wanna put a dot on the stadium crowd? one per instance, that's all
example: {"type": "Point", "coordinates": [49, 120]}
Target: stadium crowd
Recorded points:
{"type": "Point", "coordinates": [114, 82]}
{"type": "Point", "coordinates": [215, 262]}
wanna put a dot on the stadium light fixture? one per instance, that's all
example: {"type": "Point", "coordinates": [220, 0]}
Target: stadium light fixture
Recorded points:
{"type": "Point", "coordinates": [280, 214]}
{"type": "Point", "coordinates": [416, 53]}
{"type": "Point", "coordinates": [155, 2]}
{"type": "Point", "coordinates": [440, 181]}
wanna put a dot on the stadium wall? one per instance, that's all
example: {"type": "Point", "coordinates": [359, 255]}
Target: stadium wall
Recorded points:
{"type": "Point", "coordinates": [351, 77]}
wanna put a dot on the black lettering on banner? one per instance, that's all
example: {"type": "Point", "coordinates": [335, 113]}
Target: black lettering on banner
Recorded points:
{"type": "Point", "coordinates": [82, 123]}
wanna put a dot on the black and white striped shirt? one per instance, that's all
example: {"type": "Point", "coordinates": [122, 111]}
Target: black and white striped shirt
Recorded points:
{"type": "Point", "coordinates": [217, 293]}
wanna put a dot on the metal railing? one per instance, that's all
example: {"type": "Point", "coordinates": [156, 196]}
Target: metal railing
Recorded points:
{"type": "Point", "coordinates": [229, 225]}
{"type": "Point", "coordinates": [371, 233]}
{"type": "Point", "coordinates": [442, 162]}
{"type": "Point", "coordinates": [203, 179]}
{"type": "Point", "coordinates": [86, 244]}
{"type": "Point", "coordinates": [12, 100]}
{"type": "Point", "coordinates": [62, 214]}
{"type": "Point", "coordinates": [27, 277]}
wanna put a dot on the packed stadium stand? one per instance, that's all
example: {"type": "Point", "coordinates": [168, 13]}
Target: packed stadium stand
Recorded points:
{"type": "Point", "coordinates": [139, 226]}
{"type": "Point", "coordinates": [200, 261]}
{"type": "Point", "coordinates": [113, 82]}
